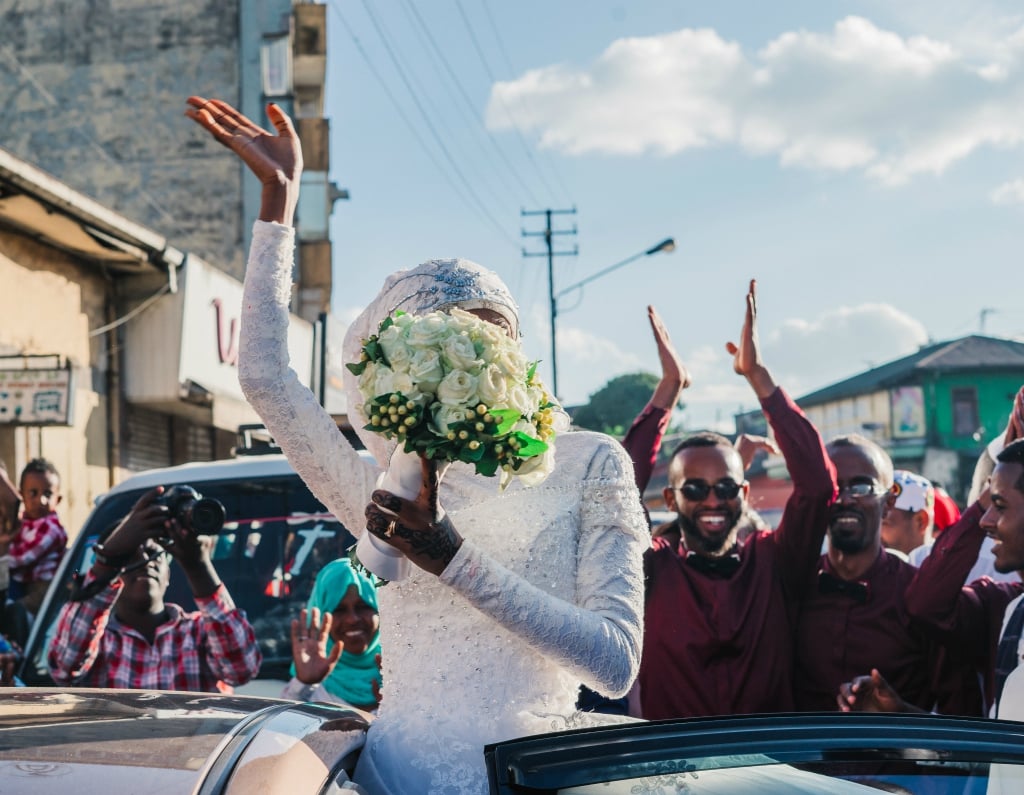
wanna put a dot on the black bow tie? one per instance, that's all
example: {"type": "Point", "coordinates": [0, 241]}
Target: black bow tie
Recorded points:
{"type": "Point", "coordinates": [857, 590]}
{"type": "Point", "coordinates": [724, 566]}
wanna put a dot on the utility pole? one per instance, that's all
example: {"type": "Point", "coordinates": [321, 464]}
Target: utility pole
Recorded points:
{"type": "Point", "coordinates": [549, 234]}
{"type": "Point", "coordinates": [983, 317]}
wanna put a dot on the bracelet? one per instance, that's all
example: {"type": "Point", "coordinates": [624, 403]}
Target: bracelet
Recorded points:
{"type": "Point", "coordinates": [110, 561]}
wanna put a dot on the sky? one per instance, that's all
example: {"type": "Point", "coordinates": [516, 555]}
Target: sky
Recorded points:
{"type": "Point", "coordinates": [864, 161]}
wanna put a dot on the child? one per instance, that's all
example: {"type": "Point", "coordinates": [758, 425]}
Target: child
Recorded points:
{"type": "Point", "coordinates": [35, 548]}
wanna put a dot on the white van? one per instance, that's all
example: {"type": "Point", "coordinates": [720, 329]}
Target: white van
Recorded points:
{"type": "Point", "coordinates": [276, 537]}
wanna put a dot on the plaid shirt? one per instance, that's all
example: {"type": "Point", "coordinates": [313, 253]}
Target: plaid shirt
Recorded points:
{"type": "Point", "coordinates": [37, 549]}
{"type": "Point", "coordinates": [191, 651]}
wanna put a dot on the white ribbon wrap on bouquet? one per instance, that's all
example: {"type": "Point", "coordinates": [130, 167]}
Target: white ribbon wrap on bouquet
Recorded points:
{"type": "Point", "coordinates": [403, 478]}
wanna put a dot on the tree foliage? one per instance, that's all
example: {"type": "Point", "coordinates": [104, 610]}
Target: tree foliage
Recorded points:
{"type": "Point", "coordinates": [613, 407]}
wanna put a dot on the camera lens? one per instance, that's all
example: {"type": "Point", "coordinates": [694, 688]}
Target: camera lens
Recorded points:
{"type": "Point", "coordinates": [207, 516]}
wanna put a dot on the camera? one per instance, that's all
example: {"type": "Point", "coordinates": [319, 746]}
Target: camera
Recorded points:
{"type": "Point", "coordinates": [192, 511]}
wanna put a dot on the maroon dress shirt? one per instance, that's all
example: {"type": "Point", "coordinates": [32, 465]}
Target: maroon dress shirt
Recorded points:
{"type": "Point", "coordinates": [968, 617]}
{"type": "Point", "coordinates": [717, 644]}
{"type": "Point", "coordinates": [845, 633]}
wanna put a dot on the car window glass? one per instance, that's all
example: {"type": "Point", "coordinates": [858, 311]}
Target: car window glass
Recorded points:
{"type": "Point", "coordinates": [275, 539]}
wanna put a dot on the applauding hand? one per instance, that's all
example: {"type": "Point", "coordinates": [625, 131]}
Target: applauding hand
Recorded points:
{"type": "Point", "coordinates": [310, 632]}
{"type": "Point", "coordinates": [747, 355]}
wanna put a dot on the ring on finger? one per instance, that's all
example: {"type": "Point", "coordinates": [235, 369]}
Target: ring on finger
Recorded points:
{"type": "Point", "coordinates": [390, 531]}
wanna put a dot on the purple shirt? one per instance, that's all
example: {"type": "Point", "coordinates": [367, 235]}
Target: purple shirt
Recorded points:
{"type": "Point", "coordinates": [715, 645]}
{"type": "Point", "coordinates": [840, 637]}
{"type": "Point", "coordinates": [966, 617]}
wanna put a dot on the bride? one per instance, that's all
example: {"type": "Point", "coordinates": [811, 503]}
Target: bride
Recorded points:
{"type": "Point", "coordinates": [515, 596]}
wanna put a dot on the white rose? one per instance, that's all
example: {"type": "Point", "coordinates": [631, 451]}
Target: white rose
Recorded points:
{"type": "Point", "coordinates": [519, 399]}
{"type": "Point", "coordinates": [429, 330]}
{"type": "Point", "coordinates": [367, 380]}
{"type": "Point", "coordinates": [458, 388]}
{"type": "Point", "coordinates": [459, 353]}
{"type": "Point", "coordinates": [492, 386]}
{"type": "Point", "coordinates": [383, 382]}
{"type": "Point", "coordinates": [397, 352]}
{"type": "Point", "coordinates": [425, 369]}
{"type": "Point", "coordinates": [535, 469]}
{"type": "Point", "coordinates": [494, 339]}
{"type": "Point", "coordinates": [445, 416]}
{"type": "Point", "coordinates": [511, 361]}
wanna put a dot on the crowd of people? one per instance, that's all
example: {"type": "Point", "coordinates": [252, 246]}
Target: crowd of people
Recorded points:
{"type": "Point", "coordinates": [552, 605]}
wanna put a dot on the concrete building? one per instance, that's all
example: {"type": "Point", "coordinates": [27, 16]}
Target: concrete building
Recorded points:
{"type": "Point", "coordinates": [118, 350]}
{"type": "Point", "coordinates": [98, 154]}
{"type": "Point", "coordinates": [94, 93]}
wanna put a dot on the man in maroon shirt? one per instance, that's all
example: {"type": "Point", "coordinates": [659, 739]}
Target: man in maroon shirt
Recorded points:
{"type": "Point", "coordinates": [720, 616]}
{"type": "Point", "coordinates": [854, 616]}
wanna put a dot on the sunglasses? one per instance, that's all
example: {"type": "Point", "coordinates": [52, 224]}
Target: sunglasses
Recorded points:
{"type": "Point", "coordinates": [698, 490]}
{"type": "Point", "coordinates": [862, 489]}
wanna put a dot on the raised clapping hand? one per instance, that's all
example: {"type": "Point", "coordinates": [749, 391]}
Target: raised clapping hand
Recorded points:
{"type": "Point", "coordinates": [310, 632]}
{"type": "Point", "coordinates": [747, 355]}
{"type": "Point", "coordinates": [674, 375]}
{"type": "Point", "coordinates": [276, 160]}
{"type": "Point", "coordinates": [1015, 424]}
{"type": "Point", "coordinates": [871, 694]}
{"type": "Point", "coordinates": [747, 445]}
{"type": "Point", "coordinates": [413, 526]}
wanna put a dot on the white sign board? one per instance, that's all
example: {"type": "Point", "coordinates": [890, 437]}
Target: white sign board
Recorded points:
{"type": "Point", "coordinates": [35, 397]}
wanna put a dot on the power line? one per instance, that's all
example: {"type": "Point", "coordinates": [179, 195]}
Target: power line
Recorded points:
{"type": "Point", "coordinates": [511, 71]}
{"type": "Point", "coordinates": [433, 130]}
{"type": "Point", "coordinates": [468, 102]}
{"type": "Point", "coordinates": [398, 106]}
{"type": "Point", "coordinates": [493, 79]}
{"type": "Point", "coordinates": [482, 179]}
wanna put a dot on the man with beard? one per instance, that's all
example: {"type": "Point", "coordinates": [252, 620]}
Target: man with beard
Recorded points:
{"type": "Point", "coordinates": [720, 615]}
{"type": "Point", "coordinates": [854, 616]}
{"type": "Point", "coordinates": [117, 631]}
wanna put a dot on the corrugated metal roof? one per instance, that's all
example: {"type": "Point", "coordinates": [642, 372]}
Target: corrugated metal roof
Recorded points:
{"type": "Point", "coordinates": [974, 352]}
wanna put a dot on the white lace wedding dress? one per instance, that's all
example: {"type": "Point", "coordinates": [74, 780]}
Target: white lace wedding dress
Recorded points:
{"type": "Point", "coordinates": [546, 591]}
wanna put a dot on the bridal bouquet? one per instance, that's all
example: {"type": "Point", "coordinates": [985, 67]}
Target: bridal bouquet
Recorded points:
{"type": "Point", "coordinates": [452, 387]}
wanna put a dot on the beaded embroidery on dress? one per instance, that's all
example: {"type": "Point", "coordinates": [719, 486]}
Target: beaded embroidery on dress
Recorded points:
{"type": "Point", "coordinates": [545, 593]}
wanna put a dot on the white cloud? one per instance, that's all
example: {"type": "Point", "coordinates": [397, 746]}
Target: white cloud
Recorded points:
{"type": "Point", "coordinates": [1009, 193]}
{"type": "Point", "coordinates": [854, 98]}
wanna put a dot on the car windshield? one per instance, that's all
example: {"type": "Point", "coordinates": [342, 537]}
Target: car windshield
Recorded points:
{"type": "Point", "coordinates": [275, 539]}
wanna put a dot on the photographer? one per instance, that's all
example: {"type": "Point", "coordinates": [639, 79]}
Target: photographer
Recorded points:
{"type": "Point", "coordinates": [117, 631]}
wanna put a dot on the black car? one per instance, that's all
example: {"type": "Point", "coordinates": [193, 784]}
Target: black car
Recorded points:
{"type": "Point", "coordinates": [800, 754]}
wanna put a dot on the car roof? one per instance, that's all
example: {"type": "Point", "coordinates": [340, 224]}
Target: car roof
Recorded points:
{"type": "Point", "coordinates": [245, 467]}
{"type": "Point", "coordinates": [96, 740]}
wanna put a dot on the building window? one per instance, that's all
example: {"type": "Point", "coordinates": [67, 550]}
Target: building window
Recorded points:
{"type": "Point", "coordinates": [276, 66]}
{"type": "Point", "coordinates": [965, 411]}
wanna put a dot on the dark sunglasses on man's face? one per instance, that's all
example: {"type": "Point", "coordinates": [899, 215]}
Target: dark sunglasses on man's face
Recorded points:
{"type": "Point", "coordinates": [698, 490]}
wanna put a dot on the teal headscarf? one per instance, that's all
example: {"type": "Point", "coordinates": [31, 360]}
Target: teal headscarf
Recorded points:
{"type": "Point", "coordinates": [353, 676]}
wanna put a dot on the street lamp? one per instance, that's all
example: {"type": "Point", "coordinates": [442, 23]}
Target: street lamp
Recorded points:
{"type": "Point", "coordinates": [666, 245]}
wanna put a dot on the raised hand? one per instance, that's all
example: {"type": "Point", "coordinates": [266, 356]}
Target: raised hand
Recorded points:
{"type": "Point", "coordinates": [416, 527]}
{"type": "Point", "coordinates": [747, 354]}
{"type": "Point", "coordinates": [871, 694]}
{"type": "Point", "coordinates": [276, 160]}
{"type": "Point", "coordinates": [674, 375]}
{"type": "Point", "coordinates": [1015, 424]}
{"type": "Point", "coordinates": [747, 445]}
{"type": "Point", "coordinates": [309, 633]}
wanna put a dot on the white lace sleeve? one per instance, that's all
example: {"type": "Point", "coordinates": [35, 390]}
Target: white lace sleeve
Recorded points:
{"type": "Point", "coordinates": [310, 439]}
{"type": "Point", "coordinates": [597, 636]}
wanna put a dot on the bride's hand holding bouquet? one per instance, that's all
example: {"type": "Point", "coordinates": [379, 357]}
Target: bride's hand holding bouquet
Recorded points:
{"type": "Point", "coordinates": [447, 386]}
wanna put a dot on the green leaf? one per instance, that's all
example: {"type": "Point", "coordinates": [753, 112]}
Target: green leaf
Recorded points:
{"type": "Point", "coordinates": [387, 323]}
{"type": "Point", "coordinates": [506, 419]}
{"type": "Point", "coordinates": [529, 446]}
{"type": "Point", "coordinates": [487, 465]}
{"type": "Point", "coordinates": [357, 368]}
{"type": "Point", "coordinates": [531, 371]}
